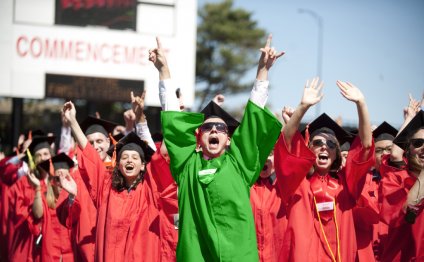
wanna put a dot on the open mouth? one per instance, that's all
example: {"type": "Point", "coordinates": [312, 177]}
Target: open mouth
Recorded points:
{"type": "Point", "coordinates": [213, 141]}
{"type": "Point", "coordinates": [129, 167]}
{"type": "Point", "coordinates": [323, 158]}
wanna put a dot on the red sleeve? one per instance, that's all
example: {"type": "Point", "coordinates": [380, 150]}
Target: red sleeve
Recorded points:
{"type": "Point", "coordinates": [22, 197]}
{"type": "Point", "coordinates": [68, 214]}
{"type": "Point", "coordinates": [291, 167]}
{"type": "Point", "coordinates": [395, 187]}
{"type": "Point", "coordinates": [8, 172]}
{"type": "Point", "coordinates": [160, 171]}
{"type": "Point", "coordinates": [356, 169]}
{"type": "Point", "coordinates": [92, 171]}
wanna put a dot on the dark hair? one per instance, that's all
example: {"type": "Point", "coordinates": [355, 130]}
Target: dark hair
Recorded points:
{"type": "Point", "coordinates": [414, 165]}
{"type": "Point", "coordinates": [118, 180]}
{"type": "Point", "coordinates": [335, 166]}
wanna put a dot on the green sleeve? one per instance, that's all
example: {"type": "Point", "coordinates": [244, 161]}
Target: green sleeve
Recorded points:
{"type": "Point", "coordinates": [179, 134]}
{"type": "Point", "coordinates": [253, 140]}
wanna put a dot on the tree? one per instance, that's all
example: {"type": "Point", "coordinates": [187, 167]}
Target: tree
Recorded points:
{"type": "Point", "coordinates": [228, 41]}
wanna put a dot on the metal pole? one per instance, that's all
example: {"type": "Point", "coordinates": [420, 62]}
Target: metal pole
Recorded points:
{"type": "Point", "coordinates": [320, 45]}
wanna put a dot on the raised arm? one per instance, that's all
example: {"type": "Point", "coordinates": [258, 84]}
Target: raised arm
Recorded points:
{"type": "Point", "coordinates": [167, 90]}
{"type": "Point", "coordinates": [142, 128]}
{"type": "Point", "coordinates": [311, 96]}
{"type": "Point", "coordinates": [69, 113]}
{"type": "Point", "coordinates": [259, 94]}
{"type": "Point", "coordinates": [352, 93]}
{"type": "Point", "coordinates": [37, 205]}
{"type": "Point", "coordinates": [409, 112]}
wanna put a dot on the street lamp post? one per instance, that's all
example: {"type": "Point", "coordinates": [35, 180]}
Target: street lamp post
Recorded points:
{"type": "Point", "coordinates": [318, 19]}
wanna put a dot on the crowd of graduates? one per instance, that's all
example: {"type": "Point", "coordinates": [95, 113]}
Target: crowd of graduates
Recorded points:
{"type": "Point", "coordinates": [211, 188]}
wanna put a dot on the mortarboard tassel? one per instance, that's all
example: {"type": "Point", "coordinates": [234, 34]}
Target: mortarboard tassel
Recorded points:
{"type": "Point", "coordinates": [307, 134]}
{"type": "Point", "coordinates": [51, 168]}
{"type": "Point", "coordinates": [113, 160]}
{"type": "Point", "coordinates": [30, 160]}
{"type": "Point", "coordinates": [30, 135]}
{"type": "Point", "coordinates": [112, 139]}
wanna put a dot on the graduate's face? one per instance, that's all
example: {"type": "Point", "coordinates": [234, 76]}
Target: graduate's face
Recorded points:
{"type": "Point", "coordinates": [324, 148]}
{"type": "Point", "coordinates": [101, 143]}
{"type": "Point", "coordinates": [268, 168]}
{"type": "Point", "coordinates": [130, 164]}
{"type": "Point", "coordinates": [214, 140]}
{"type": "Point", "coordinates": [42, 155]}
{"type": "Point", "coordinates": [416, 147]}
{"type": "Point", "coordinates": [382, 147]}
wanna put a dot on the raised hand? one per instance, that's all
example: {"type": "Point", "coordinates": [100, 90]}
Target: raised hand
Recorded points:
{"type": "Point", "coordinates": [219, 99]}
{"type": "Point", "coordinates": [137, 105]}
{"type": "Point", "coordinates": [69, 112]}
{"type": "Point", "coordinates": [286, 113]}
{"type": "Point", "coordinates": [33, 180]}
{"type": "Point", "coordinates": [312, 92]}
{"type": "Point", "coordinates": [157, 56]}
{"type": "Point", "coordinates": [67, 182]}
{"type": "Point", "coordinates": [268, 55]}
{"type": "Point", "coordinates": [413, 108]}
{"type": "Point", "coordinates": [350, 92]}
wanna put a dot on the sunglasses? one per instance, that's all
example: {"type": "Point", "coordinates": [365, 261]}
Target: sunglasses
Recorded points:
{"type": "Point", "coordinates": [417, 142]}
{"type": "Point", "coordinates": [220, 127]}
{"type": "Point", "coordinates": [320, 142]}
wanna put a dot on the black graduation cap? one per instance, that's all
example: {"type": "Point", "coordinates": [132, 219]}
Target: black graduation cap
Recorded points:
{"type": "Point", "coordinates": [214, 110]}
{"type": "Point", "coordinates": [60, 161]}
{"type": "Point", "coordinates": [39, 142]}
{"type": "Point", "coordinates": [324, 124]}
{"type": "Point", "coordinates": [132, 142]}
{"type": "Point", "coordinates": [384, 132]}
{"type": "Point", "coordinates": [416, 123]}
{"type": "Point", "coordinates": [92, 125]}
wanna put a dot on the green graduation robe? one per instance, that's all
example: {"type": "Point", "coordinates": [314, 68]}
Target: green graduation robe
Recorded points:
{"type": "Point", "coordinates": [216, 221]}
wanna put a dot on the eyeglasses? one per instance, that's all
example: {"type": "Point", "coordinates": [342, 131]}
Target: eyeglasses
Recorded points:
{"type": "Point", "coordinates": [417, 142]}
{"type": "Point", "coordinates": [220, 127]}
{"type": "Point", "coordinates": [381, 150]}
{"type": "Point", "coordinates": [320, 142]}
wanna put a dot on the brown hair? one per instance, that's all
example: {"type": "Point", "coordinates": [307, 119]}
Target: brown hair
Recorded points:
{"type": "Point", "coordinates": [118, 180]}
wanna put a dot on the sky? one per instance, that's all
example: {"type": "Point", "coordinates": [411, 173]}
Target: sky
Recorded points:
{"type": "Point", "coordinates": [378, 45]}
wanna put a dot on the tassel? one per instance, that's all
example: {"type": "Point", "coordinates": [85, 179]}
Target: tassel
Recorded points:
{"type": "Point", "coordinates": [51, 168]}
{"type": "Point", "coordinates": [112, 139]}
{"type": "Point", "coordinates": [307, 135]}
{"type": "Point", "coordinates": [30, 135]}
{"type": "Point", "coordinates": [30, 161]}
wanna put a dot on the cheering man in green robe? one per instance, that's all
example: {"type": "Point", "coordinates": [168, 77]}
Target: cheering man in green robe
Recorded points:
{"type": "Point", "coordinates": [214, 171]}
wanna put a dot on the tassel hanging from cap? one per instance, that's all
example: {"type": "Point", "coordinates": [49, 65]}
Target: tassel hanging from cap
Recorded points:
{"type": "Point", "coordinates": [30, 160]}
{"type": "Point", "coordinates": [307, 135]}
{"type": "Point", "coordinates": [113, 160]}
{"type": "Point", "coordinates": [30, 135]}
{"type": "Point", "coordinates": [51, 168]}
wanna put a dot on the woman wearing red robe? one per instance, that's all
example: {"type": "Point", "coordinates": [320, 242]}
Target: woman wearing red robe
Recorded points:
{"type": "Point", "coordinates": [127, 214]}
{"type": "Point", "coordinates": [55, 238]}
{"type": "Point", "coordinates": [320, 221]}
{"type": "Point", "coordinates": [23, 225]}
{"type": "Point", "coordinates": [403, 191]}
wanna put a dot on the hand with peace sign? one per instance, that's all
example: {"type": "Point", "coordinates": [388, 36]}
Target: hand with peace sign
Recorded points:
{"type": "Point", "coordinates": [157, 56]}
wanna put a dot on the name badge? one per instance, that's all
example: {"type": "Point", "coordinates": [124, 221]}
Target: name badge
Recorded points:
{"type": "Point", "coordinates": [207, 172]}
{"type": "Point", "coordinates": [325, 206]}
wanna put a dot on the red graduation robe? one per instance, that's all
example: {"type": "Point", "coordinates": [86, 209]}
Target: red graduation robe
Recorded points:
{"type": "Point", "coordinates": [270, 218]}
{"type": "Point", "coordinates": [304, 239]}
{"type": "Point", "coordinates": [56, 241]}
{"type": "Point", "coordinates": [366, 216]}
{"type": "Point", "coordinates": [405, 242]}
{"type": "Point", "coordinates": [166, 194]}
{"type": "Point", "coordinates": [127, 222]}
{"type": "Point", "coordinates": [82, 221]}
{"type": "Point", "coordinates": [23, 228]}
